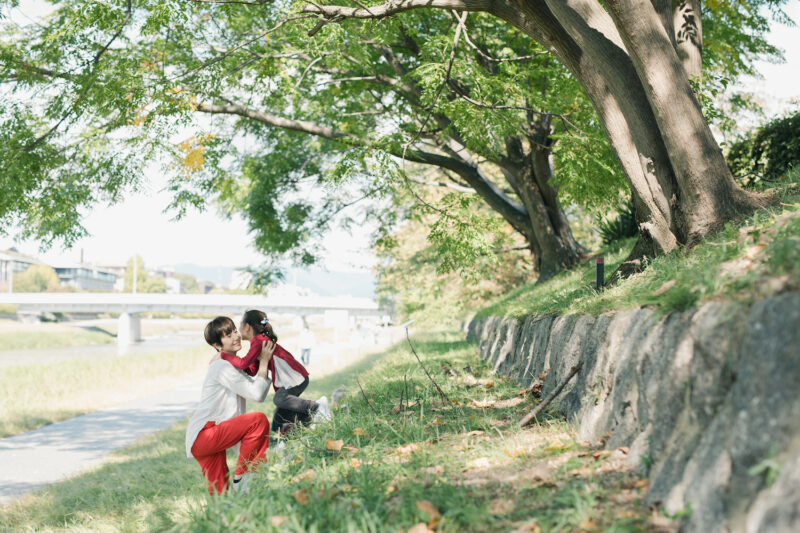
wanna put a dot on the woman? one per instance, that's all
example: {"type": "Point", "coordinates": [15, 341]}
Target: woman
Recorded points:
{"type": "Point", "coordinates": [220, 421]}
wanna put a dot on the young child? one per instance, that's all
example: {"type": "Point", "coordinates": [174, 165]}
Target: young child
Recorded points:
{"type": "Point", "coordinates": [289, 377]}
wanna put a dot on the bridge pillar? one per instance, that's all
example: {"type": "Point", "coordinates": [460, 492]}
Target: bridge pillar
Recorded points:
{"type": "Point", "coordinates": [129, 329]}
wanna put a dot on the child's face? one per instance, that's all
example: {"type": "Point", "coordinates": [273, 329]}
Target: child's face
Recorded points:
{"type": "Point", "coordinates": [232, 342]}
{"type": "Point", "coordinates": [247, 331]}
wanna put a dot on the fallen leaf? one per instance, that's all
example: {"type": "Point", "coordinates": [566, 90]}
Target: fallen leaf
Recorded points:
{"type": "Point", "coordinates": [557, 446]}
{"type": "Point", "coordinates": [436, 422]}
{"type": "Point", "coordinates": [355, 463]}
{"type": "Point", "coordinates": [308, 475]}
{"type": "Point", "coordinates": [530, 527]}
{"type": "Point", "coordinates": [277, 520]}
{"type": "Point", "coordinates": [641, 484]}
{"type": "Point", "coordinates": [515, 452]}
{"type": "Point", "coordinates": [395, 409]}
{"type": "Point", "coordinates": [434, 516]}
{"type": "Point", "coordinates": [600, 454]}
{"type": "Point", "coordinates": [511, 402]}
{"type": "Point", "coordinates": [588, 524]}
{"type": "Point", "coordinates": [350, 448]}
{"type": "Point", "coordinates": [489, 385]}
{"type": "Point", "coordinates": [334, 445]}
{"type": "Point", "coordinates": [298, 459]}
{"type": "Point", "coordinates": [420, 528]}
{"type": "Point", "coordinates": [542, 376]}
{"type": "Point", "coordinates": [586, 444]}
{"type": "Point", "coordinates": [301, 495]}
{"type": "Point", "coordinates": [501, 506]}
{"type": "Point", "coordinates": [482, 404]}
{"type": "Point", "coordinates": [664, 288]}
{"type": "Point", "coordinates": [409, 448]}
{"type": "Point", "coordinates": [624, 449]}
{"type": "Point", "coordinates": [437, 470]}
{"type": "Point", "coordinates": [359, 432]}
{"type": "Point", "coordinates": [474, 433]}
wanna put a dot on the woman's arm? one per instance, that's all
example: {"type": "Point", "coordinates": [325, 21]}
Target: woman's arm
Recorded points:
{"type": "Point", "coordinates": [251, 388]}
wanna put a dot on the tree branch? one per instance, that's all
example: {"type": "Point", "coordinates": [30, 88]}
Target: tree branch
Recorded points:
{"type": "Point", "coordinates": [394, 6]}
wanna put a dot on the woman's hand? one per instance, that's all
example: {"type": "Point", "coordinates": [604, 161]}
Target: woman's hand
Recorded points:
{"type": "Point", "coordinates": [266, 352]}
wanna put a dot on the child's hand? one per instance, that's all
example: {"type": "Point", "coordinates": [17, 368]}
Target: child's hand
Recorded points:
{"type": "Point", "coordinates": [267, 347]}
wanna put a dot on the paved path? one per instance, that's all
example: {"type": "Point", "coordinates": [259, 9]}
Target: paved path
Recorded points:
{"type": "Point", "coordinates": [57, 451]}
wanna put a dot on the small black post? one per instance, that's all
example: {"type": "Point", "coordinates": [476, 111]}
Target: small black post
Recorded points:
{"type": "Point", "coordinates": [600, 273]}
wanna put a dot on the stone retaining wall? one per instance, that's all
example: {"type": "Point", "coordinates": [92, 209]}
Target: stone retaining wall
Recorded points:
{"type": "Point", "coordinates": [708, 400]}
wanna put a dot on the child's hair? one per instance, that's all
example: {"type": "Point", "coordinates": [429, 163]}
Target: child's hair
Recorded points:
{"type": "Point", "coordinates": [260, 323]}
{"type": "Point", "coordinates": [221, 326]}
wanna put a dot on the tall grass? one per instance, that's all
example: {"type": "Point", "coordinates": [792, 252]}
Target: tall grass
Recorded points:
{"type": "Point", "coordinates": [38, 394]}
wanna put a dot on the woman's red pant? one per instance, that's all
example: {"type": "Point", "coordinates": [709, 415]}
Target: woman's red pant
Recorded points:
{"type": "Point", "coordinates": [250, 429]}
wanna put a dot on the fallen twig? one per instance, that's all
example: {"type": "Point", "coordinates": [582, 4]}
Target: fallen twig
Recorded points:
{"type": "Point", "coordinates": [538, 409]}
{"type": "Point", "coordinates": [438, 388]}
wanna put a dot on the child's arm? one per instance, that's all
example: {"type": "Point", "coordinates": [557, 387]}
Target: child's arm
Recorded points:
{"type": "Point", "coordinates": [237, 362]}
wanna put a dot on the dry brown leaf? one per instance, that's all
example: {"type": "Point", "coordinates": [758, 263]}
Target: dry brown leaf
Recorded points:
{"type": "Point", "coordinates": [301, 495]}
{"type": "Point", "coordinates": [489, 385]}
{"type": "Point", "coordinates": [542, 376]}
{"type": "Point", "coordinates": [482, 404]}
{"type": "Point", "coordinates": [308, 475]}
{"type": "Point", "coordinates": [641, 484]}
{"type": "Point", "coordinates": [588, 524]}
{"type": "Point", "coordinates": [624, 449]}
{"type": "Point", "coordinates": [557, 446]}
{"type": "Point", "coordinates": [298, 459]}
{"type": "Point", "coordinates": [277, 520]}
{"type": "Point", "coordinates": [434, 516]}
{"type": "Point", "coordinates": [501, 506]}
{"type": "Point", "coordinates": [664, 288]}
{"type": "Point", "coordinates": [511, 402]}
{"type": "Point", "coordinates": [600, 454]}
{"type": "Point", "coordinates": [396, 409]}
{"type": "Point", "coordinates": [350, 448]}
{"type": "Point", "coordinates": [334, 445]}
{"type": "Point", "coordinates": [355, 463]}
{"type": "Point", "coordinates": [474, 433]}
{"type": "Point", "coordinates": [436, 422]}
{"type": "Point", "coordinates": [359, 432]}
{"type": "Point", "coordinates": [420, 528]}
{"type": "Point", "coordinates": [407, 449]}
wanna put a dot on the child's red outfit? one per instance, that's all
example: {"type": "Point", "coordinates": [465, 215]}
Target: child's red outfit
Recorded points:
{"type": "Point", "coordinates": [289, 379]}
{"type": "Point", "coordinates": [286, 372]}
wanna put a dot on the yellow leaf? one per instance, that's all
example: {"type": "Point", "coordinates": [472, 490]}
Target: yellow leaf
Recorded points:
{"type": "Point", "coordinates": [359, 432]}
{"type": "Point", "coordinates": [335, 445]}
{"type": "Point", "coordinates": [355, 463]}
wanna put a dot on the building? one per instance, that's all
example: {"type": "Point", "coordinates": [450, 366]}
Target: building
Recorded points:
{"type": "Point", "coordinates": [11, 263]}
{"type": "Point", "coordinates": [86, 277]}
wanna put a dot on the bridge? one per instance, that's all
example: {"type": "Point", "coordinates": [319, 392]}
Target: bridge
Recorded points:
{"type": "Point", "coordinates": [130, 306]}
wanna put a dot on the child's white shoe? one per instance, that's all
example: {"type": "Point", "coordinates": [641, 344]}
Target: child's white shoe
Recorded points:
{"type": "Point", "coordinates": [240, 487]}
{"type": "Point", "coordinates": [323, 411]}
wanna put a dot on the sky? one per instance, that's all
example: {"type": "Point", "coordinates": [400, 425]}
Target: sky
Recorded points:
{"type": "Point", "coordinates": [140, 226]}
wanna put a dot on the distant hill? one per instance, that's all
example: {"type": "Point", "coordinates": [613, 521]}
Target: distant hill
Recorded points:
{"type": "Point", "coordinates": [318, 281]}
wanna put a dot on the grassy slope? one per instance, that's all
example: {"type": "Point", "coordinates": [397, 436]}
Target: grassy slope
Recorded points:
{"type": "Point", "coordinates": [753, 258]}
{"type": "Point", "coordinates": [459, 465]}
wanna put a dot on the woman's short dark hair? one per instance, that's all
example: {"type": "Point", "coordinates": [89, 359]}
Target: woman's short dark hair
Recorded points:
{"type": "Point", "coordinates": [221, 326]}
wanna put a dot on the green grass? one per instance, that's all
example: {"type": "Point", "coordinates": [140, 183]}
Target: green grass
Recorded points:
{"type": "Point", "coordinates": [17, 336]}
{"type": "Point", "coordinates": [40, 394]}
{"type": "Point", "coordinates": [753, 258]}
{"type": "Point", "coordinates": [8, 309]}
{"type": "Point", "coordinates": [466, 457]}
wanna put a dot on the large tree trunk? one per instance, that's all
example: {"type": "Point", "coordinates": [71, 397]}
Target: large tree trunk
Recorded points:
{"type": "Point", "coordinates": [709, 194]}
{"type": "Point", "coordinates": [688, 31]}
{"type": "Point", "coordinates": [553, 245]}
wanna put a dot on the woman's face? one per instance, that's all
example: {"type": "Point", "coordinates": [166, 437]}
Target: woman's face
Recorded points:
{"type": "Point", "coordinates": [232, 342]}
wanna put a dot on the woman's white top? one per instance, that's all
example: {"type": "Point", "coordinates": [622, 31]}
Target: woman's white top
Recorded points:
{"type": "Point", "coordinates": [223, 396]}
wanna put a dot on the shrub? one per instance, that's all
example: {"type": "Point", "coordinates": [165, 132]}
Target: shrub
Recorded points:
{"type": "Point", "coordinates": [769, 152]}
{"type": "Point", "coordinates": [619, 228]}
